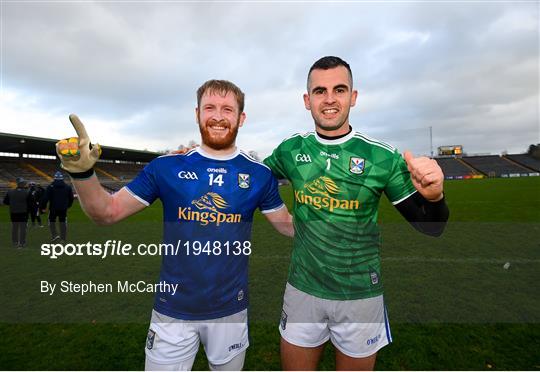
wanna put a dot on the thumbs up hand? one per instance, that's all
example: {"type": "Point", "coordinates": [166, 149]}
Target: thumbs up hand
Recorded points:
{"type": "Point", "coordinates": [426, 176]}
{"type": "Point", "coordinates": [77, 154]}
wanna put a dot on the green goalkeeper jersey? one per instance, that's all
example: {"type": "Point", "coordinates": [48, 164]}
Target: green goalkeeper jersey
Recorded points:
{"type": "Point", "coordinates": [337, 185]}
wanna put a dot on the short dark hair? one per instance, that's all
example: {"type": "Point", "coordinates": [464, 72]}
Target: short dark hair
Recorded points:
{"type": "Point", "coordinates": [222, 87]}
{"type": "Point", "coordinates": [327, 63]}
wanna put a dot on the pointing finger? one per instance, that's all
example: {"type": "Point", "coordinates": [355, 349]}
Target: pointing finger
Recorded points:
{"type": "Point", "coordinates": [79, 127]}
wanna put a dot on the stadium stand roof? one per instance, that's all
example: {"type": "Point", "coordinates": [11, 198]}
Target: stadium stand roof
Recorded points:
{"type": "Point", "coordinates": [22, 144]}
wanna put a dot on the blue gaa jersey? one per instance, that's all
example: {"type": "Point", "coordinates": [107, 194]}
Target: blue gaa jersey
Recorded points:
{"type": "Point", "coordinates": [208, 206]}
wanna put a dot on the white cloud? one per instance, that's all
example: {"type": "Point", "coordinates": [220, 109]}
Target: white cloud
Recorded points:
{"type": "Point", "coordinates": [130, 70]}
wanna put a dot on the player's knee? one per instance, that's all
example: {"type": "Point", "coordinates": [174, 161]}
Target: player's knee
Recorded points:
{"type": "Point", "coordinates": [235, 364]}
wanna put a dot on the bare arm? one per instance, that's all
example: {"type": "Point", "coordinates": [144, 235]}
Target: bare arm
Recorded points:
{"type": "Point", "coordinates": [102, 207]}
{"type": "Point", "coordinates": [282, 221]}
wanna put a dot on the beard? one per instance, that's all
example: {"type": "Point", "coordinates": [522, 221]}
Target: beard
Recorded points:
{"type": "Point", "coordinates": [219, 142]}
{"type": "Point", "coordinates": [330, 126]}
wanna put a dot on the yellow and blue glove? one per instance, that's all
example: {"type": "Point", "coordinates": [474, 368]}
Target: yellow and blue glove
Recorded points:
{"type": "Point", "coordinates": [77, 155]}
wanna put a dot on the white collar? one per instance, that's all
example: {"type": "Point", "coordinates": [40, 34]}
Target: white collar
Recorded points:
{"type": "Point", "coordinates": [218, 157]}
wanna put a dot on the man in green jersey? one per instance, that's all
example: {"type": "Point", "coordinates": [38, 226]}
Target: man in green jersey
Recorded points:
{"type": "Point", "coordinates": [334, 290]}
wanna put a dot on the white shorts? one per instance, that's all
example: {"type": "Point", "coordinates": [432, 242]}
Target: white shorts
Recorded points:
{"type": "Point", "coordinates": [358, 328]}
{"type": "Point", "coordinates": [173, 340]}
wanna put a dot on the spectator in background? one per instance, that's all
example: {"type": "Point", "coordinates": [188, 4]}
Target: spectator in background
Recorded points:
{"type": "Point", "coordinates": [36, 195]}
{"type": "Point", "coordinates": [59, 196]}
{"type": "Point", "coordinates": [18, 201]}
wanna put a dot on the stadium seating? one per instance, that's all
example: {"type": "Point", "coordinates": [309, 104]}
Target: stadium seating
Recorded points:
{"type": "Point", "coordinates": [495, 165]}
{"type": "Point", "coordinates": [526, 160]}
{"type": "Point", "coordinates": [113, 176]}
{"type": "Point", "coordinates": [119, 171]}
{"type": "Point", "coordinates": [453, 168]}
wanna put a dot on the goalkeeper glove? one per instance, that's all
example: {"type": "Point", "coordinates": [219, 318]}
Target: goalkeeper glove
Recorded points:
{"type": "Point", "coordinates": [77, 155]}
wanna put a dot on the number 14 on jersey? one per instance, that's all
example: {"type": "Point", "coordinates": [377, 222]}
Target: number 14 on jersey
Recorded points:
{"type": "Point", "coordinates": [215, 180]}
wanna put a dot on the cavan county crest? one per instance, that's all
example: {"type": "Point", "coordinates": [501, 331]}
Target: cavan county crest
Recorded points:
{"type": "Point", "coordinates": [283, 321]}
{"type": "Point", "coordinates": [150, 339]}
{"type": "Point", "coordinates": [243, 180]}
{"type": "Point", "coordinates": [356, 165]}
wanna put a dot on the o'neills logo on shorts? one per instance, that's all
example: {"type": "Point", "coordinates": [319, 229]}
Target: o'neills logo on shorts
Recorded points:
{"type": "Point", "coordinates": [209, 206]}
{"type": "Point", "coordinates": [322, 192]}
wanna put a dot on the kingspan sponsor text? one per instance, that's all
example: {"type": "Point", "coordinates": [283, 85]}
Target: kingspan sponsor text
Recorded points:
{"type": "Point", "coordinates": [204, 218]}
{"type": "Point", "coordinates": [326, 202]}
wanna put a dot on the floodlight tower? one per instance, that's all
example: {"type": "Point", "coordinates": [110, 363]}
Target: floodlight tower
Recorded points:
{"type": "Point", "coordinates": [431, 140]}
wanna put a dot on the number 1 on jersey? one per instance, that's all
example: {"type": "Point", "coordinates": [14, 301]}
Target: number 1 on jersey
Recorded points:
{"type": "Point", "coordinates": [328, 164]}
{"type": "Point", "coordinates": [218, 179]}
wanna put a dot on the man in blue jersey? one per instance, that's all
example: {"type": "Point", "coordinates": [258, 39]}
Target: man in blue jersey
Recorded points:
{"type": "Point", "coordinates": [209, 195]}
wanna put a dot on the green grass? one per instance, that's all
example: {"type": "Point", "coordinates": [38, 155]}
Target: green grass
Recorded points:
{"type": "Point", "coordinates": [451, 303]}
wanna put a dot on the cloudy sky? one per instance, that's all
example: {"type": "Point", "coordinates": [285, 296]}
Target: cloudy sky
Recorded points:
{"type": "Point", "coordinates": [130, 69]}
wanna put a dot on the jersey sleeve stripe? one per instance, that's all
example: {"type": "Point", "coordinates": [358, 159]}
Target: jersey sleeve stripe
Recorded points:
{"type": "Point", "coordinates": [253, 160]}
{"type": "Point", "coordinates": [375, 142]}
{"type": "Point", "coordinates": [304, 135]}
{"type": "Point", "coordinates": [266, 211]}
{"type": "Point", "coordinates": [405, 197]}
{"type": "Point", "coordinates": [136, 196]}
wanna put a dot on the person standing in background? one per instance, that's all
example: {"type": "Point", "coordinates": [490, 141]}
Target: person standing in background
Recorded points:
{"type": "Point", "coordinates": [36, 194]}
{"type": "Point", "coordinates": [59, 196]}
{"type": "Point", "coordinates": [18, 201]}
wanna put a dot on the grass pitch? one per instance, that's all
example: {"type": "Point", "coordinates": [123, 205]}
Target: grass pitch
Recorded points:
{"type": "Point", "coordinates": [451, 302]}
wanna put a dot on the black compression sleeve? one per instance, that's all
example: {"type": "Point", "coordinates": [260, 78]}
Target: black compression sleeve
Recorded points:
{"type": "Point", "coordinates": [82, 175]}
{"type": "Point", "coordinates": [427, 217]}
